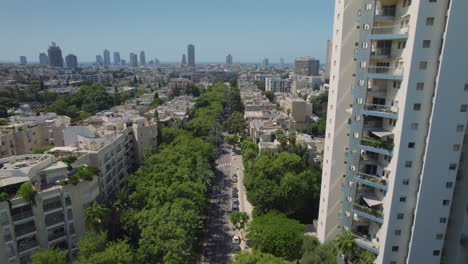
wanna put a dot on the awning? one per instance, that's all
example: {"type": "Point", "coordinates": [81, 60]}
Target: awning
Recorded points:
{"type": "Point", "coordinates": [381, 134]}
{"type": "Point", "coordinates": [372, 202]}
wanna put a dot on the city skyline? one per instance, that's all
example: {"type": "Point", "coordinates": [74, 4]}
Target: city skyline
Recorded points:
{"type": "Point", "coordinates": [168, 41]}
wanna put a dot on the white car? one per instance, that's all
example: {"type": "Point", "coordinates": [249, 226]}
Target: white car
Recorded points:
{"type": "Point", "coordinates": [235, 239]}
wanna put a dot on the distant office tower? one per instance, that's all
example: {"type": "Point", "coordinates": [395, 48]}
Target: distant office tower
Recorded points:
{"type": "Point", "coordinates": [116, 58]}
{"type": "Point", "coordinates": [123, 62]}
{"type": "Point", "coordinates": [133, 60]}
{"type": "Point", "coordinates": [71, 61]}
{"type": "Point", "coordinates": [329, 56]}
{"type": "Point", "coordinates": [142, 58]}
{"type": "Point", "coordinates": [265, 62]}
{"type": "Point", "coordinates": [156, 61]}
{"type": "Point", "coordinates": [107, 61]}
{"type": "Point", "coordinates": [99, 60]}
{"type": "Point", "coordinates": [281, 61]}
{"type": "Point", "coordinates": [184, 59]}
{"type": "Point", "coordinates": [55, 56]}
{"type": "Point", "coordinates": [191, 55]}
{"type": "Point", "coordinates": [229, 59]}
{"type": "Point", "coordinates": [43, 59]}
{"type": "Point", "coordinates": [23, 60]}
{"type": "Point", "coordinates": [395, 166]}
{"type": "Point", "coordinates": [306, 66]}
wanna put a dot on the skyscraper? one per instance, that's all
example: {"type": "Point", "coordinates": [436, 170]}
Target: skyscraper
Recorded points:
{"type": "Point", "coordinates": [281, 61]}
{"type": "Point", "coordinates": [156, 61]}
{"type": "Point", "coordinates": [116, 58]}
{"type": "Point", "coordinates": [184, 59]}
{"type": "Point", "coordinates": [393, 173]}
{"type": "Point", "coordinates": [107, 61]}
{"type": "Point", "coordinates": [191, 55]}
{"type": "Point", "coordinates": [23, 60]}
{"type": "Point", "coordinates": [229, 59]}
{"type": "Point", "coordinates": [43, 59]}
{"type": "Point", "coordinates": [265, 62]}
{"type": "Point", "coordinates": [71, 61]}
{"type": "Point", "coordinates": [306, 66]}
{"type": "Point", "coordinates": [142, 58]}
{"type": "Point", "coordinates": [123, 62]}
{"type": "Point", "coordinates": [55, 56]}
{"type": "Point", "coordinates": [329, 56]}
{"type": "Point", "coordinates": [133, 60]}
{"type": "Point", "coordinates": [99, 60]}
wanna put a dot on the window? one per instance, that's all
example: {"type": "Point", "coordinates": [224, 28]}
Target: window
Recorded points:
{"type": "Point", "coordinates": [400, 216]}
{"type": "Point", "coordinates": [408, 164]}
{"type": "Point", "coordinates": [417, 107]}
{"type": "Point", "coordinates": [402, 199]}
{"type": "Point", "coordinates": [445, 202]}
{"type": "Point", "coordinates": [439, 236]}
{"type": "Point", "coordinates": [460, 128]}
{"type": "Point", "coordinates": [436, 253]}
{"type": "Point", "coordinates": [423, 65]}
{"type": "Point", "coordinates": [397, 232]}
{"type": "Point", "coordinates": [405, 182]}
{"type": "Point", "coordinates": [449, 185]}
{"type": "Point", "coordinates": [452, 166]}
{"type": "Point", "coordinates": [414, 126]}
{"type": "Point", "coordinates": [395, 248]}
{"type": "Point", "coordinates": [443, 220]}
{"type": "Point", "coordinates": [420, 86]}
{"type": "Point", "coordinates": [429, 21]}
{"type": "Point", "coordinates": [466, 87]}
{"type": "Point", "coordinates": [456, 147]}
{"type": "Point", "coordinates": [432, 1]}
{"type": "Point", "coordinates": [426, 44]}
{"type": "Point", "coordinates": [411, 145]}
{"type": "Point", "coordinates": [463, 108]}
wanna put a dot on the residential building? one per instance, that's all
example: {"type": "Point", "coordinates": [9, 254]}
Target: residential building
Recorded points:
{"type": "Point", "coordinates": [278, 85]}
{"type": "Point", "coordinates": [396, 129]}
{"type": "Point", "coordinates": [133, 60]}
{"type": "Point", "coordinates": [329, 56]}
{"type": "Point", "coordinates": [23, 60]}
{"type": "Point", "coordinates": [123, 62]}
{"type": "Point", "coordinates": [281, 61]}
{"type": "Point", "coordinates": [229, 59]}
{"type": "Point", "coordinates": [43, 59]}
{"type": "Point", "coordinates": [55, 56]}
{"type": "Point", "coordinates": [306, 66]}
{"type": "Point", "coordinates": [191, 55]}
{"type": "Point", "coordinates": [265, 62]}
{"type": "Point", "coordinates": [71, 61]}
{"type": "Point", "coordinates": [106, 56]}
{"type": "Point", "coordinates": [142, 58]}
{"type": "Point", "coordinates": [99, 60]}
{"type": "Point", "coordinates": [116, 58]}
{"type": "Point", "coordinates": [178, 86]}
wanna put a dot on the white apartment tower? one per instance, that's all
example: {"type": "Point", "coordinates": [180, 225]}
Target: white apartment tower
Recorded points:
{"type": "Point", "coordinates": [397, 117]}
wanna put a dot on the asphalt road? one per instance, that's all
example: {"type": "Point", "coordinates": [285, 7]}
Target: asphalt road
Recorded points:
{"type": "Point", "coordinates": [217, 235]}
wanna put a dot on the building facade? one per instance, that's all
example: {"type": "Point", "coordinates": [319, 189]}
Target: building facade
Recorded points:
{"type": "Point", "coordinates": [116, 58]}
{"type": "Point", "coordinates": [133, 60]}
{"type": "Point", "coordinates": [142, 58]}
{"type": "Point", "coordinates": [106, 56]}
{"type": "Point", "coordinates": [71, 61]}
{"type": "Point", "coordinates": [265, 62]}
{"type": "Point", "coordinates": [191, 55]}
{"type": "Point", "coordinates": [43, 59]}
{"type": "Point", "coordinates": [278, 85]}
{"type": "Point", "coordinates": [23, 60]}
{"type": "Point", "coordinates": [306, 66]}
{"type": "Point", "coordinates": [397, 117]}
{"type": "Point", "coordinates": [329, 56]}
{"type": "Point", "coordinates": [229, 59]}
{"type": "Point", "coordinates": [55, 56]}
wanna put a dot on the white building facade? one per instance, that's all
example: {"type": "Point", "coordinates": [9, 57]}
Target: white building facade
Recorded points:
{"type": "Point", "coordinates": [397, 117]}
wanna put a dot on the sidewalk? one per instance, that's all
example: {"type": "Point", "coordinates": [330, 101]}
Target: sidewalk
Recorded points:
{"type": "Point", "coordinates": [238, 168]}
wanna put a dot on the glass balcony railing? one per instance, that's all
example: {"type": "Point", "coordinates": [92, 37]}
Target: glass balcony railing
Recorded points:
{"type": "Point", "coordinates": [381, 110]}
{"type": "Point", "coordinates": [372, 180]}
{"type": "Point", "coordinates": [376, 143]}
{"type": "Point", "coordinates": [24, 229]}
{"type": "Point", "coordinates": [388, 70]}
{"type": "Point", "coordinates": [376, 212]}
{"type": "Point", "coordinates": [381, 53]}
{"type": "Point", "coordinates": [27, 244]}
{"type": "Point", "coordinates": [386, 12]}
{"type": "Point", "coordinates": [22, 215]}
{"type": "Point", "coordinates": [390, 30]}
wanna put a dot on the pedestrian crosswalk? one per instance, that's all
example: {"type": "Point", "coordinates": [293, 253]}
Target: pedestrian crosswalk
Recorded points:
{"type": "Point", "coordinates": [222, 165]}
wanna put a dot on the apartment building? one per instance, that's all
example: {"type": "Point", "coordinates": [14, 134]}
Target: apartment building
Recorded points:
{"type": "Point", "coordinates": [54, 219]}
{"type": "Point", "coordinates": [396, 127]}
{"type": "Point", "coordinates": [278, 85]}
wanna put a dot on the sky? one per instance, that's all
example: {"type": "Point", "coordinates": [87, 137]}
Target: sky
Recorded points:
{"type": "Point", "coordinates": [248, 29]}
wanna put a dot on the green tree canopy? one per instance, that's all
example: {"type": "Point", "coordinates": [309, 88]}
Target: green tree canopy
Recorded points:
{"type": "Point", "coordinates": [54, 255]}
{"type": "Point", "coordinates": [258, 257]}
{"type": "Point", "coordinates": [235, 124]}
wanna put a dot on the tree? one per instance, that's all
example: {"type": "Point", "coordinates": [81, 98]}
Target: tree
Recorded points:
{"type": "Point", "coordinates": [313, 252]}
{"type": "Point", "coordinates": [257, 257]}
{"type": "Point", "coordinates": [366, 257]}
{"type": "Point", "coordinates": [235, 123]}
{"type": "Point", "coordinates": [276, 234]}
{"type": "Point", "coordinates": [53, 255]}
{"type": "Point", "coordinates": [43, 149]}
{"type": "Point", "coordinates": [239, 221]}
{"type": "Point", "coordinates": [346, 244]}
{"type": "Point", "coordinates": [281, 137]}
{"type": "Point", "coordinates": [91, 243]}
{"type": "Point", "coordinates": [317, 128]}
{"type": "Point", "coordinates": [269, 95]}
{"type": "Point", "coordinates": [232, 140]}
{"type": "Point", "coordinates": [96, 216]}
{"type": "Point", "coordinates": [27, 191]}
{"type": "Point", "coordinates": [319, 104]}
{"type": "Point", "coordinates": [115, 252]}
{"type": "Point", "coordinates": [260, 85]}
{"type": "Point", "coordinates": [149, 151]}
{"type": "Point", "coordinates": [292, 138]}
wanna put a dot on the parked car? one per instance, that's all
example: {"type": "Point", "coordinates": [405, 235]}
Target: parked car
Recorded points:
{"type": "Point", "coordinates": [234, 180]}
{"type": "Point", "coordinates": [235, 195]}
{"type": "Point", "coordinates": [235, 201]}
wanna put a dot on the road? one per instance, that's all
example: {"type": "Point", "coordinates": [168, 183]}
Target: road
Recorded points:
{"type": "Point", "coordinates": [217, 235]}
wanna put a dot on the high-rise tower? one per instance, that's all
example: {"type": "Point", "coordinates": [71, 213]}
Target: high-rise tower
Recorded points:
{"type": "Point", "coordinates": [191, 55]}
{"type": "Point", "coordinates": [55, 56]}
{"type": "Point", "coordinates": [142, 58]}
{"type": "Point", "coordinates": [107, 60]}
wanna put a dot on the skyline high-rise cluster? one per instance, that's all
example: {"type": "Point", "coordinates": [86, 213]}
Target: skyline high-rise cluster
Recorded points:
{"type": "Point", "coordinates": [393, 173]}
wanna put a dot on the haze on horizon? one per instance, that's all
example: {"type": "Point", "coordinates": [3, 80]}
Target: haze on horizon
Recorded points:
{"type": "Point", "coordinates": [249, 30]}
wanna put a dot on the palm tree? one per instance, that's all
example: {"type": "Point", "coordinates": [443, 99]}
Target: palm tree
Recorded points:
{"type": "Point", "coordinates": [366, 257]}
{"type": "Point", "coordinates": [346, 244]}
{"type": "Point", "coordinates": [148, 152]}
{"type": "Point", "coordinates": [118, 203]}
{"type": "Point", "coordinates": [96, 215]}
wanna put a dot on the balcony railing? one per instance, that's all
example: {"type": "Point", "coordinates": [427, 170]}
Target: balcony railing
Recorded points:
{"type": "Point", "coordinates": [382, 53]}
{"type": "Point", "coordinates": [55, 236]}
{"type": "Point", "coordinates": [366, 244]}
{"type": "Point", "coordinates": [381, 111]}
{"type": "Point", "coordinates": [372, 180]}
{"type": "Point", "coordinates": [390, 30]}
{"type": "Point", "coordinates": [375, 143]}
{"type": "Point", "coordinates": [25, 230]}
{"type": "Point", "coordinates": [376, 212]}
{"type": "Point", "coordinates": [22, 215]}
{"type": "Point", "coordinates": [28, 244]}
{"type": "Point", "coordinates": [388, 70]}
{"type": "Point", "coordinates": [386, 12]}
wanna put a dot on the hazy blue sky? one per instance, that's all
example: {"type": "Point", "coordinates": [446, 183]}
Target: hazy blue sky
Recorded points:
{"type": "Point", "coordinates": [248, 29]}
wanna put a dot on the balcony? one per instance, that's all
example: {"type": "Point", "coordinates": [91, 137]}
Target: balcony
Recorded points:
{"type": "Point", "coordinates": [385, 13]}
{"type": "Point", "coordinates": [377, 92]}
{"type": "Point", "coordinates": [395, 31]}
{"type": "Point", "coordinates": [381, 53]}
{"type": "Point", "coordinates": [367, 244]}
{"type": "Point", "coordinates": [377, 146]}
{"type": "Point", "coordinates": [26, 228]}
{"type": "Point", "coordinates": [27, 244]}
{"type": "Point", "coordinates": [22, 215]}
{"type": "Point", "coordinates": [385, 72]}
{"type": "Point", "coordinates": [383, 111]}
{"type": "Point", "coordinates": [372, 181]}
{"type": "Point", "coordinates": [374, 214]}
